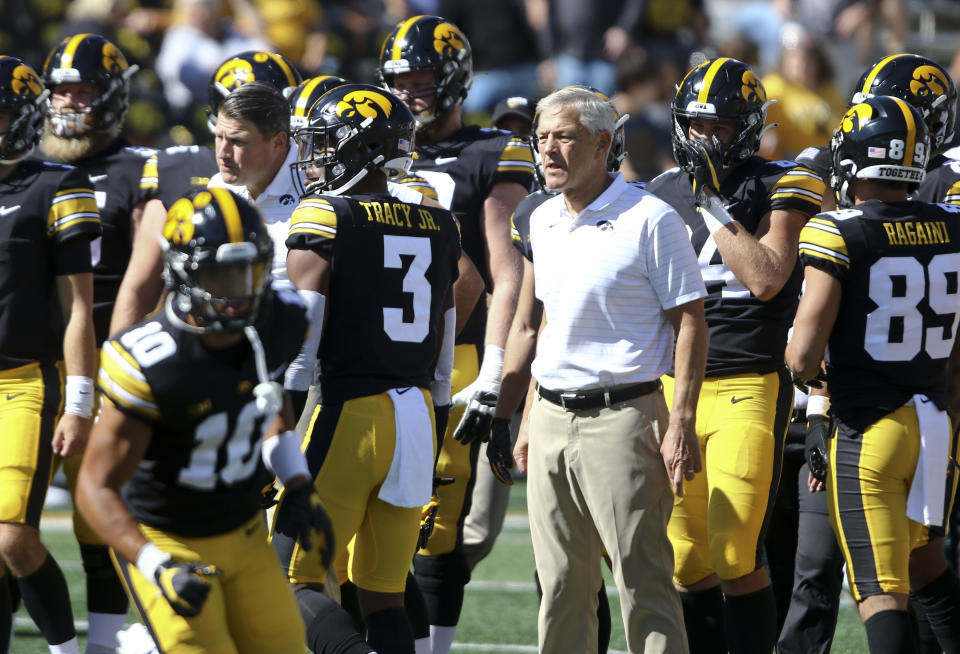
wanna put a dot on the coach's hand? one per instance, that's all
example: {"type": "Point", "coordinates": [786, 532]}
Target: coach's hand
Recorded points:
{"type": "Point", "coordinates": [499, 450]}
{"type": "Point", "coordinates": [303, 511]}
{"type": "Point", "coordinates": [818, 429]}
{"type": "Point", "coordinates": [184, 584]}
{"type": "Point", "coordinates": [680, 450]}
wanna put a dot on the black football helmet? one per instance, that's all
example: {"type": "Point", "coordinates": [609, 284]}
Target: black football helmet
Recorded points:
{"type": "Point", "coordinates": [89, 58]}
{"type": "Point", "coordinates": [249, 66]}
{"type": "Point", "coordinates": [435, 44]}
{"type": "Point", "coordinates": [22, 95]}
{"type": "Point", "coordinates": [923, 83]}
{"type": "Point", "coordinates": [217, 261]}
{"type": "Point", "coordinates": [721, 89]}
{"type": "Point", "coordinates": [881, 138]}
{"type": "Point", "coordinates": [307, 94]}
{"type": "Point", "coordinates": [352, 130]}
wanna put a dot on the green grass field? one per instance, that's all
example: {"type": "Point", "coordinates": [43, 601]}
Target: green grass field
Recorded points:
{"type": "Point", "coordinates": [500, 610]}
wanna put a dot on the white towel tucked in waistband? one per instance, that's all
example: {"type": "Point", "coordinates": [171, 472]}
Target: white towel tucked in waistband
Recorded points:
{"type": "Point", "coordinates": [410, 479]}
{"type": "Point", "coordinates": [925, 501]}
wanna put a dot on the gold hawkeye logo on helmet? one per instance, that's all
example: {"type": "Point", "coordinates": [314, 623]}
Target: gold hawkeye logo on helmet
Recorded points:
{"type": "Point", "coordinates": [447, 39]}
{"type": "Point", "coordinates": [113, 59]}
{"type": "Point", "coordinates": [25, 81]}
{"type": "Point", "coordinates": [752, 89]}
{"type": "Point", "coordinates": [179, 226]}
{"type": "Point", "coordinates": [928, 81]}
{"type": "Point", "coordinates": [856, 117]}
{"type": "Point", "coordinates": [368, 104]}
{"type": "Point", "coordinates": [234, 73]}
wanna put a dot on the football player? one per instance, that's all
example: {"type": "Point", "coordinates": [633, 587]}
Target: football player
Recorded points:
{"type": "Point", "coordinates": [928, 87]}
{"type": "Point", "coordinates": [89, 82]}
{"type": "Point", "coordinates": [744, 215]}
{"type": "Point", "coordinates": [50, 217]}
{"type": "Point", "coordinates": [180, 170]}
{"type": "Point", "coordinates": [377, 275]}
{"type": "Point", "coordinates": [192, 413]}
{"type": "Point", "coordinates": [880, 291]}
{"type": "Point", "coordinates": [480, 175]}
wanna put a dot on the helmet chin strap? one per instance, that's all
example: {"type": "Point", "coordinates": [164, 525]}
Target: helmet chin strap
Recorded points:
{"type": "Point", "coordinates": [177, 320]}
{"type": "Point", "coordinates": [356, 178]}
{"type": "Point", "coordinates": [268, 394]}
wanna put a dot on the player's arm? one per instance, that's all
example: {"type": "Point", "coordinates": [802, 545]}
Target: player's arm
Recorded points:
{"type": "Point", "coordinates": [468, 289]}
{"type": "Point", "coordinates": [680, 447]}
{"type": "Point", "coordinates": [502, 258]}
{"type": "Point", "coordinates": [816, 315]}
{"type": "Point", "coordinates": [75, 294]}
{"type": "Point", "coordinates": [142, 283]}
{"type": "Point", "coordinates": [762, 262]}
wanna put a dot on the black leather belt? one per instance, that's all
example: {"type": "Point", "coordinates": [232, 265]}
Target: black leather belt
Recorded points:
{"type": "Point", "coordinates": [577, 400]}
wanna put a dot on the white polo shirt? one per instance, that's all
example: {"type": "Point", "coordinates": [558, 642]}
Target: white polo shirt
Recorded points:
{"type": "Point", "coordinates": [605, 278]}
{"type": "Point", "coordinates": [276, 203]}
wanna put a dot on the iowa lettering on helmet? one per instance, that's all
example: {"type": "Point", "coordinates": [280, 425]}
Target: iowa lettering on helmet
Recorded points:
{"type": "Point", "coordinates": [368, 104]}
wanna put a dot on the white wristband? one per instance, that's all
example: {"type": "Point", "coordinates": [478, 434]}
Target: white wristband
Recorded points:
{"type": "Point", "coordinates": [300, 372]}
{"type": "Point", "coordinates": [714, 214]}
{"type": "Point", "coordinates": [818, 405]}
{"type": "Point", "coordinates": [78, 399]}
{"type": "Point", "coordinates": [492, 367]}
{"type": "Point", "coordinates": [282, 456]}
{"type": "Point", "coordinates": [149, 558]}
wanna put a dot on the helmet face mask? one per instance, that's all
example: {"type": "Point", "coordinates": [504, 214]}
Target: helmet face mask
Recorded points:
{"type": "Point", "coordinates": [91, 59]}
{"type": "Point", "coordinates": [352, 130]}
{"type": "Point", "coordinates": [883, 139]}
{"type": "Point", "coordinates": [217, 258]}
{"type": "Point", "coordinates": [428, 43]}
{"type": "Point", "coordinates": [922, 83]}
{"type": "Point", "coordinates": [727, 90]}
{"type": "Point", "coordinates": [250, 66]}
{"type": "Point", "coordinates": [21, 98]}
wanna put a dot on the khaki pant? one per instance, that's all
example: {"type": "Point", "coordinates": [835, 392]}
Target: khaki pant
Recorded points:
{"type": "Point", "coordinates": [595, 482]}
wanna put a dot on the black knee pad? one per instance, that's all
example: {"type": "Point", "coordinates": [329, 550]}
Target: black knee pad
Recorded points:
{"type": "Point", "coordinates": [330, 629]}
{"type": "Point", "coordinates": [703, 619]}
{"type": "Point", "coordinates": [416, 608]}
{"type": "Point", "coordinates": [389, 631]}
{"type": "Point", "coordinates": [105, 593]}
{"type": "Point", "coordinates": [441, 580]}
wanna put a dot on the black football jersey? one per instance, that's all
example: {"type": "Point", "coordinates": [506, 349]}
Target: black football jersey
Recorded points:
{"type": "Point", "coordinates": [177, 172]}
{"type": "Point", "coordinates": [392, 264]}
{"type": "Point", "coordinates": [115, 175]}
{"type": "Point", "coordinates": [899, 267]}
{"type": "Point", "coordinates": [463, 168]}
{"type": "Point", "coordinates": [202, 473]}
{"type": "Point", "coordinates": [941, 183]}
{"type": "Point", "coordinates": [48, 216]}
{"type": "Point", "coordinates": [746, 335]}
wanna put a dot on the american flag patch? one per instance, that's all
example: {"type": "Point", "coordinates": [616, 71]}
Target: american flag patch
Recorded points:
{"type": "Point", "coordinates": [876, 153]}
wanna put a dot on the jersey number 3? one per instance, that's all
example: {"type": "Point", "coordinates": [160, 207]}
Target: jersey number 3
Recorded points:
{"type": "Point", "coordinates": [415, 282]}
{"type": "Point", "coordinates": [895, 331]}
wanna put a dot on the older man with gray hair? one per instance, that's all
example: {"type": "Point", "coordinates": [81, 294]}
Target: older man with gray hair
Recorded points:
{"type": "Point", "coordinates": [618, 280]}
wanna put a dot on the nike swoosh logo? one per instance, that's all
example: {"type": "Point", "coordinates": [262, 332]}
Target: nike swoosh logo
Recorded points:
{"type": "Point", "coordinates": [444, 160]}
{"type": "Point", "coordinates": [10, 396]}
{"type": "Point", "coordinates": [401, 391]}
{"type": "Point", "coordinates": [5, 210]}
{"type": "Point", "coordinates": [97, 178]}
{"type": "Point", "coordinates": [735, 400]}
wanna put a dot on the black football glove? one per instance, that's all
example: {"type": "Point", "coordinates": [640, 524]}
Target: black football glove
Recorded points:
{"type": "Point", "coordinates": [184, 585]}
{"type": "Point", "coordinates": [475, 424]}
{"type": "Point", "coordinates": [304, 513]}
{"type": "Point", "coordinates": [441, 416]}
{"type": "Point", "coordinates": [815, 448]}
{"type": "Point", "coordinates": [805, 385]}
{"type": "Point", "coordinates": [269, 493]}
{"type": "Point", "coordinates": [428, 517]}
{"type": "Point", "coordinates": [704, 162]}
{"type": "Point", "coordinates": [500, 450]}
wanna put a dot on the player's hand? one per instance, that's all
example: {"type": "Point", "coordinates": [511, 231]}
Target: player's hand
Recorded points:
{"type": "Point", "coordinates": [805, 385]}
{"type": "Point", "coordinates": [184, 584]}
{"type": "Point", "coordinates": [70, 435]}
{"type": "Point", "coordinates": [428, 517]}
{"type": "Point", "coordinates": [680, 450]}
{"type": "Point", "coordinates": [269, 493]}
{"type": "Point", "coordinates": [498, 450]}
{"type": "Point", "coordinates": [480, 402]}
{"type": "Point", "coordinates": [704, 162]}
{"type": "Point", "coordinates": [302, 507]}
{"type": "Point", "coordinates": [815, 448]}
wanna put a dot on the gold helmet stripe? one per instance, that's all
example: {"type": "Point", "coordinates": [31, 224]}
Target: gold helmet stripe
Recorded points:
{"type": "Point", "coordinates": [231, 215]}
{"type": "Point", "coordinates": [876, 71]}
{"type": "Point", "coordinates": [401, 36]}
{"type": "Point", "coordinates": [301, 109]}
{"type": "Point", "coordinates": [291, 78]}
{"type": "Point", "coordinates": [911, 131]}
{"type": "Point", "coordinates": [708, 78]}
{"type": "Point", "coordinates": [66, 59]}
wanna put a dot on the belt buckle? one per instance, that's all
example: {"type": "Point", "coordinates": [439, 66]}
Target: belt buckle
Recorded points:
{"type": "Point", "coordinates": [566, 396]}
